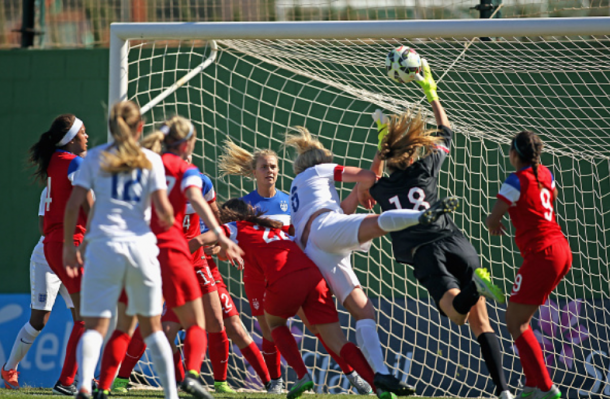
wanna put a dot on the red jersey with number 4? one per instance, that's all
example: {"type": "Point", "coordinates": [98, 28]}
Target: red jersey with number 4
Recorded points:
{"type": "Point", "coordinates": [531, 208]}
{"type": "Point", "coordinates": [268, 250]}
{"type": "Point", "coordinates": [179, 175]}
{"type": "Point", "coordinates": [61, 172]}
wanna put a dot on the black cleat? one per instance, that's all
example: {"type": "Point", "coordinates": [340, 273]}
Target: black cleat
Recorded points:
{"type": "Point", "coordinates": [389, 383]}
{"type": "Point", "coordinates": [438, 209]}
{"type": "Point", "coordinates": [192, 385]}
{"type": "Point", "coordinates": [101, 394]}
{"type": "Point", "coordinates": [69, 390]}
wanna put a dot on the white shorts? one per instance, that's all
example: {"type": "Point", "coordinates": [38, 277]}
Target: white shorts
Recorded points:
{"type": "Point", "coordinates": [44, 286]}
{"type": "Point", "coordinates": [332, 239]}
{"type": "Point", "coordinates": [111, 266]}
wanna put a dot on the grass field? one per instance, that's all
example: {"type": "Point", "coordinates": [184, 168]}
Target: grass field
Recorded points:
{"type": "Point", "coordinates": [28, 393]}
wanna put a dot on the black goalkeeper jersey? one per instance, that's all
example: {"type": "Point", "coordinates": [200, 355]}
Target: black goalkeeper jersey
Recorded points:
{"type": "Point", "coordinates": [416, 188]}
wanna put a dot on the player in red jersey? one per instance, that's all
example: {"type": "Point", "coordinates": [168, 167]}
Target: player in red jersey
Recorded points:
{"type": "Point", "coordinates": [528, 195]}
{"type": "Point", "coordinates": [292, 281]}
{"type": "Point", "coordinates": [57, 165]}
{"type": "Point", "coordinates": [262, 165]}
{"type": "Point", "coordinates": [181, 289]}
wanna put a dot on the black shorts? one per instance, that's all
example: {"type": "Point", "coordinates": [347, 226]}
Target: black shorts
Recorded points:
{"type": "Point", "coordinates": [444, 264]}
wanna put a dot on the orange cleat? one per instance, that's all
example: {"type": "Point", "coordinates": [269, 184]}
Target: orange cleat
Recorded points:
{"type": "Point", "coordinates": [11, 378]}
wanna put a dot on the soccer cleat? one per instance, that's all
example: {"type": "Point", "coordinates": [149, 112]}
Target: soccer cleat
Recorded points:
{"type": "Point", "coordinates": [359, 384]}
{"type": "Point", "coordinates": [222, 387]}
{"type": "Point", "coordinates": [11, 378]}
{"type": "Point", "coordinates": [385, 395]}
{"type": "Point", "coordinates": [119, 385]}
{"type": "Point", "coordinates": [69, 390]}
{"type": "Point", "coordinates": [101, 394]}
{"type": "Point", "coordinates": [192, 385]}
{"type": "Point", "coordinates": [527, 393]}
{"type": "Point", "coordinates": [438, 209]}
{"type": "Point", "coordinates": [506, 395]}
{"type": "Point", "coordinates": [486, 287]}
{"type": "Point", "coordinates": [389, 383]}
{"type": "Point", "coordinates": [275, 387]}
{"type": "Point", "coordinates": [553, 393]}
{"type": "Point", "coordinates": [299, 387]}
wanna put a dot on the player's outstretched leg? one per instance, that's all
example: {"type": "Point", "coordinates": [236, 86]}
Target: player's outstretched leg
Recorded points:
{"type": "Point", "coordinates": [438, 209]}
{"type": "Point", "coordinates": [486, 287]}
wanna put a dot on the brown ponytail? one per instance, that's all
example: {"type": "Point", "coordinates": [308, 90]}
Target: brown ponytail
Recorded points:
{"type": "Point", "coordinates": [237, 209]}
{"type": "Point", "coordinates": [42, 151]}
{"type": "Point", "coordinates": [125, 154]}
{"type": "Point", "coordinates": [528, 147]}
{"type": "Point", "coordinates": [406, 139]}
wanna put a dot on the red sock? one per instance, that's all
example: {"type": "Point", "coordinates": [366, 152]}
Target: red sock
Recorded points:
{"type": "Point", "coordinates": [353, 355]}
{"type": "Point", "coordinates": [195, 345]}
{"type": "Point", "coordinates": [345, 367]}
{"type": "Point", "coordinates": [219, 354]}
{"type": "Point", "coordinates": [178, 367]}
{"type": "Point", "coordinates": [288, 347]}
{"type": "Point", "coordinates": [273, 358]}
{"type": "Point", "coordinates": [254, 356]}
{"type": "Point", "coordinates": [70, 367]}
{"type": "Point", "coordinates": [135, 350]}
{"type": "Point", "coordinates": [530, 353]}
{"type": "Point", "coordinates": [114, 352]}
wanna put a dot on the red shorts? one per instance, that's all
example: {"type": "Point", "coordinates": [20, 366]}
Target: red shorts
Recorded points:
{"type": "Point", "coordinates": [168, 315]}
{"type": "Point", "coordinates": [255, 291]}
{"type": "Point", "coordinates": [540, 273]}
{"type": "Point", "coordinates": [53, 251]}
{"type": "Point", "coordinates": [180, 283]}
{"type": "Point", "coordinates": [304, 288]}
{"type": "Point", "coordinates": [206, 280]}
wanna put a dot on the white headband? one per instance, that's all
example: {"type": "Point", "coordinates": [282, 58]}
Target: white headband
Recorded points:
{"type": "Point", "coordinates": [164, 129]}
{"type": "Point", "coordinates": [71, 133]}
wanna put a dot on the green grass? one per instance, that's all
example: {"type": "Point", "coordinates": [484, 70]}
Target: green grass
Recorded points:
{"type": "Point", "coordinates": [28, 393]}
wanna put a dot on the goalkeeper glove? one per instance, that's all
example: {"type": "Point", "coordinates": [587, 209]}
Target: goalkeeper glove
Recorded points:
{"type": "Point", "coordinates": [427, 81]}
{"type": "Point", "coordinates": [382, 125]}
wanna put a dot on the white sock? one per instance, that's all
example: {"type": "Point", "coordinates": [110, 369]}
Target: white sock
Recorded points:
{"type": "Point", "coordinates": [22, 345]}
{"type": "Point", "coordinates": [87, 355]}
{"type": "Point", "coordinates": [368, 341]}
{"type": "Point", "coordinates": [163, 361]}
{"type": "Point", "coordinates": [398, 219]}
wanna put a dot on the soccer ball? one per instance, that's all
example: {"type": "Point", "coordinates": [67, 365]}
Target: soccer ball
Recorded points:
{"type": "Point", "coordinates": [402, 64]}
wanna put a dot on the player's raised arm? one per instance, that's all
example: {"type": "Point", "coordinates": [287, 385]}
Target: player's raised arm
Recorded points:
{"type": "Point", "coordinates": [428, 85]}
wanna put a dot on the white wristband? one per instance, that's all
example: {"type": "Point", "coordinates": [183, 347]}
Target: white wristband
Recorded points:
{"type": "Point", "coordinates": [218, 232]}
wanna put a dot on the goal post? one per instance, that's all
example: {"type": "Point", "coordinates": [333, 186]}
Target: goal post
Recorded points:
{"type": "Point", "coordinates": [250, 82]}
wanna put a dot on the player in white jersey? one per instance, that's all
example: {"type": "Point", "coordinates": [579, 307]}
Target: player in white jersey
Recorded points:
{"type": "Point", "coordinates": [328, 232]}
{"type": "Point", "coordinates": [44, 287]}
{"type": "Point", "coordinates": [262, 165]}
{"type": "Point", "coordinates": [121, 252]}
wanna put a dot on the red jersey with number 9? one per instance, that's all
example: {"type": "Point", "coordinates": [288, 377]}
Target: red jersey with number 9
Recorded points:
{"type": "Point", "coordinates": [531, 209]}
{"type": "Point", "coordinates": [269, 250]}
{"type": "Point", "coordinates": [180, 175]}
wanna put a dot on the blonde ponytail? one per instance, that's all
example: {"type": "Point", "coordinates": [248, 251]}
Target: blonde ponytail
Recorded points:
{"type": "Point", "coordinates": [239, 162]}
{"type": "Point", "coordinates": [171, 133]}
{"type": "Point", "coordinates": [125, 154]}
{"type": "Point", "coordinates": [310, 151]}
{"type": "Point", "coordinates": [406, 139]}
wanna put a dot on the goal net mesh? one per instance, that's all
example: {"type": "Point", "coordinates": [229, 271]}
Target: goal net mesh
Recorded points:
{"type": "Point", "coordinates": [558, 87]}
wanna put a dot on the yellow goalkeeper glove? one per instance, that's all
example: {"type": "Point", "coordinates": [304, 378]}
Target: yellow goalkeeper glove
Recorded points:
{"type": "Point", "coordinates": [427, 81]}
{"type": "Point", "coordinates": [382, 125]}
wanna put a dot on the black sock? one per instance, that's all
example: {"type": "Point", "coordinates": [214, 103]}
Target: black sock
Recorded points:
{"type": "Point", "coordinates": [466, 299]}
{"type": "Point", "coordinates": [490, 349]}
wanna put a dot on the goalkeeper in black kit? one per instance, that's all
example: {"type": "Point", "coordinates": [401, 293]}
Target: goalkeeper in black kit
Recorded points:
{"type": "Point", "coordinates": [443, 260]}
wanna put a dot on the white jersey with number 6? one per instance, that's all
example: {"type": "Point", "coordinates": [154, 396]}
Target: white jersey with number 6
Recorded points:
{"type": "Point", "coordinates": [314, 189]}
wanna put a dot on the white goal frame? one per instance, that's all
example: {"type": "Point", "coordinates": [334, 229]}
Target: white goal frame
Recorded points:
{"type": "Point", "coordinates": [121, 33]}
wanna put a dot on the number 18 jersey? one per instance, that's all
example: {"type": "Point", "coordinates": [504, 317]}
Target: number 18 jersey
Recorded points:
{"type": "Point", "coordinates": [416, 188]}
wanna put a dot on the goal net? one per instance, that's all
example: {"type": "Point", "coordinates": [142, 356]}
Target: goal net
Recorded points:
{"type": "Point", "coordinates": [252, 90]}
